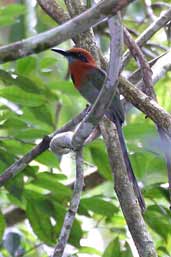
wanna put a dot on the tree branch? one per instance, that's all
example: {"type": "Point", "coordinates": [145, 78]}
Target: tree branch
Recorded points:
{"type": "Point", "coordinates": [61, 33]}
{"type": "Point", "coordinates": [149, 32]}
{"type": "Point", "coordinates": [125, 193]}
{"type": "Point", "coordinates": [85, 39]}
{"type": "Point", "coordinates": [147, 105]}
{"type": "Point", "coordinates": [20, 164]}
{"type": "Point", "coordinates": [54, 10]}
{"type": "Point", "coordinates": [107, 92]}
{"type": "Point", "coordinates": [70, 215]}
{"type": "Point", "coordinates": [149, 90]}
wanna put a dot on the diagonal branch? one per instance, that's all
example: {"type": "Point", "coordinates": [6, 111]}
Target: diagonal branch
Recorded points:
{"type": "Point", "coordinates": [63, 32]}
{"type": "Point", "coordinates": [54, 10]}
{"type": "Point", "coordinates": [149, 90]}
{"type": "Point", "coordinates": [149, 32]}
{"type": "Point", "coordinates": [147, 105]}
{"type": "Point", "coordinates": [132, 95]}
{"type": "Point", "coordinates": [20, 164]}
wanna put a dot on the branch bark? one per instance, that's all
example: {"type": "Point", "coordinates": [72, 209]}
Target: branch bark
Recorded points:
{"type": "Point", "coordinates": [20, 164]}
{"type": "Point", "coordinates": [109, 87]}
{"type": "Point", "coordinates": [70, 215]}
{"type": "Point", "coordinates": [149, 32]}
{"type": "Point", "coordinates": [61, 33]}
{"type": "Point", "coordinates": [146, 104]}
{"type": "Point", "coordinates": [54, 10]}
{"type": "Point", "coordinates": [125, 192]}
{"type": "Point", "coordinates": [149, 90]}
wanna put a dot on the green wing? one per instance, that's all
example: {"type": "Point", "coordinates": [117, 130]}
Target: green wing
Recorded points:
{"type": "Point", "coordinates": [116, 109]}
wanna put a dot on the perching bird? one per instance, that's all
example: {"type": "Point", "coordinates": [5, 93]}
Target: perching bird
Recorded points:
{"type": "Point", "coordinates": [88, 80]}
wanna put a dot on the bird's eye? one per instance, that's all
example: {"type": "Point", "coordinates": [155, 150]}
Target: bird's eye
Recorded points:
{"type": "Point", "coordinates": [82, 57]}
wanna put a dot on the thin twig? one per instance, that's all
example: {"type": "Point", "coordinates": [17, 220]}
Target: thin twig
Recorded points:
{"type": "Point", "coordinates": [131, 94]}
{"type": "Point", "coordinates": [70, 215]}
{"type": "Point", "coordinates": [149, 32]}
{"type": "Point", "coordinates": [148, 89]}
{"type": "Point", "coordinates": [149, 10]}
{"type": "Point", "coordinates": [141, 61]}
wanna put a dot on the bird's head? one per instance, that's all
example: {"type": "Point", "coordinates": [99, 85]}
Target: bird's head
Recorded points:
{"type": "Point", "coordinates": [80, 63]}
{"type": "Point", "coordinates": [76, 56]}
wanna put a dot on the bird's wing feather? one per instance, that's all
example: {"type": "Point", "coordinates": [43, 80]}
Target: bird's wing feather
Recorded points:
{"type": "Point", "coordinates": [116, 109]}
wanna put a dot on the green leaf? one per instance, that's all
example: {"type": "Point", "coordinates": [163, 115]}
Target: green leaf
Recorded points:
{"type": "Point", "coordinates": [49, 181]}
{"type": "Point", "coordinates": [6, 158]}
{"type": "Point", "coordinates": [13, 10]}
{"type": "Point", "coordinates": [113, 249]}
{"type": "Point", "coordinates": [65, 87]}
{"type": "Point", "coordinates": [16, 147]}
{"type": "Point", "coordinates": [29, 134]}
{"type": "Point", "coordinates": [40, 114]}
{"type": "Point", "coordinates": [89, 250]}
{"type": "Point", "coordinates": [26, 65]}
{"type": "Point", "coordinates": [19, 96]}
{"type": "Point", "coordinates": [6, 20]}
{"type": "Point", "coordinates": [138, 130]}
{"type": "Point", "coordinates": [49, 159]}
{"type": "Point", "coordinates": [156, 191]}
{"type": "Point", "coordinates": [46, 62]}
{"type": "Point", "coordinates": [13, 79]}
{"type": "Point", "coordinates": [152, 170]}
{"type": "Point", "coordinates": [15, 186]}
{"type": "Point", "coordinates": [40, 220]}
{"type": "Point", "coordinates": [162, 215]}
{"type": "Point", "coordinates": [100, 206]}
{"type": "Point", "coordinates": [2, 225]}
{"type": "Point", "coordinates": [100, 159]}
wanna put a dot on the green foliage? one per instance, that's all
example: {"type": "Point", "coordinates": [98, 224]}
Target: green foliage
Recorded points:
{"type": "Point", "coordinates": [9, 13]}
{"type": "Point", "coordinates": [2, 225]}
{"type": "Point", "coordinates": [37, 97]}
{"type": "Point", "coordinates": [114, 249]}
{"type": "Point", "coordinates": [100, 158]}
{"type": "Point", "coordinates": [99, 206]}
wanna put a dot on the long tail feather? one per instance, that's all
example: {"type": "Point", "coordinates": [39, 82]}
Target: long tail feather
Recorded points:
{"type": "Point", "coordinates": [130, 172]}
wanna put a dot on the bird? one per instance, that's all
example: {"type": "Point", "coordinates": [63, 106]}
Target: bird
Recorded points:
{"type": "Point", "coordinates": [88, 79]}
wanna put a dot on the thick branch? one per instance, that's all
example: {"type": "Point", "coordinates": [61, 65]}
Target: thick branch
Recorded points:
{"type": "Point", "coordinates": [125, 192]}
{"type": "Point", "coordinates": [146, 104]}
{"type": "Point", "coordinates": [85, 39]}
{"type": "Point", "coordinates": [54, 10]}
{"type": "Point", "coordinates": [61, 33]}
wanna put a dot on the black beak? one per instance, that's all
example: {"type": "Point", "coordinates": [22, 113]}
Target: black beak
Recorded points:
{"type": "Point", "coordinates": [60, 51]}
